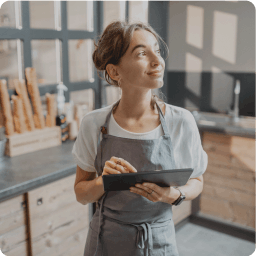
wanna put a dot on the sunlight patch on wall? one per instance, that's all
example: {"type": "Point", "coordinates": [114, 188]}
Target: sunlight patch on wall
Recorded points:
{"type": "Point", "coordinates": [195, 26]}
{"type": "Point", "coordinates": [225, 36]}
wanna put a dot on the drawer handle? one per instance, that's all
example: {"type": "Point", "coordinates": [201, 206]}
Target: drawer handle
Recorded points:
{"type": "Point", "coordinates": [23, 204]}
{"type": "Point", "coordinates": [39, 201]}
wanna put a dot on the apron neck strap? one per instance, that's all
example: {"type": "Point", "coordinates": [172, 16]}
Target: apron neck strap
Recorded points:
{"type": "Point", "coordinates": [162, 120]}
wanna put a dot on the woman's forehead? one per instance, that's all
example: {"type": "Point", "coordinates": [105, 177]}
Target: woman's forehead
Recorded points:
{"type": "Point", "coordinates": [142, 35]}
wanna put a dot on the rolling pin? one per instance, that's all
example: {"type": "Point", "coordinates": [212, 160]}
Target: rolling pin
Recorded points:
{"type": "Point", "coordinates": [35, 97]}
{"type": "Point", "coordinates": [22, 92]}
{"type": "Point", "coordinates": [18, 114]}
{"type": "Point", "coordinates": [6, 108]}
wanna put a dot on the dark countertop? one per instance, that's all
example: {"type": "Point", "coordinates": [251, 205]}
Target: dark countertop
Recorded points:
{"type": "Point", "coordinates": [232, 131]}
{"type": "Point", "coordinates": [23, 173]}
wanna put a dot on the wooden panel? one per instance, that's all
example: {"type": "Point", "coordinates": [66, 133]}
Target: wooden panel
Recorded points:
{"type": "Point", "coordinates": [54, 196]}
{"type": "Point", "coordinates": [230, 151]}
{"type": "Point", "coordinates": [78, 244]}
{"type": "Point", "coordinates": [182, 211]}
{"type": "Point", "coordinates": [229, 181]}
{"type": "Point", "coordinates": [56, 245]}
{"type": "Point", "coordinates": [57, 221]}
{"type": "Point", "coordinates": [13, 230]}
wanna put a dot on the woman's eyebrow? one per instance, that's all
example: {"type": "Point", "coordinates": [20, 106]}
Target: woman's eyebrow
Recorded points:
{"type": "Point", "coordinates": [137, 46]}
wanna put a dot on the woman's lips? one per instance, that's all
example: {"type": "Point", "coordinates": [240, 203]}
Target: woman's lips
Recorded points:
{"type": "Point", "coordinates": [156, 74]}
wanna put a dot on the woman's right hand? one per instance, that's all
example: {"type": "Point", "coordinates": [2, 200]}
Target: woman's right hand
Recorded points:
{"type": "Point", "coordinates": [117, 166]}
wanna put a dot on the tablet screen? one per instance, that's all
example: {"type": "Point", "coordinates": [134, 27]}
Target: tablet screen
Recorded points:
{"type": "Point", "coordinates": [163, 178]}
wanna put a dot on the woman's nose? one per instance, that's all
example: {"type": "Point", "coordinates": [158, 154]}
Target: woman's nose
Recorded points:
{"type": "Point", "coordinates": [156, 59]}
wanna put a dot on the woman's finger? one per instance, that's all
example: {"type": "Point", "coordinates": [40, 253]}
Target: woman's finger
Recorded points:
{"type": "Point", "coordinates": [127, 166]}
{"type": "Point", "coordinates": [116, 166]}
{"type": "Point", "coordinates": [144, 193]}
{"type": "Point", "coordinates": [109, 170]}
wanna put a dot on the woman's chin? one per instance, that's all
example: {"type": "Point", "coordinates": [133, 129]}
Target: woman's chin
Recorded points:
{"type": "Point", "coordinates": [156, 85]}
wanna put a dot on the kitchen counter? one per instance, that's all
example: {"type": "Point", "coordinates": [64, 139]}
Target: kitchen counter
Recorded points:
{"type": "Point", "coordinates": [224, 124]}
{"type": "Point", "coordinates": [23, 173]}
{"type": "Point", "coordinates": [232, 131]}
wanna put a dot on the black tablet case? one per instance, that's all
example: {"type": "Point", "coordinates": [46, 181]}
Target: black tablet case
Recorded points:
{"type": "Point", "coordinates": [163, 178]}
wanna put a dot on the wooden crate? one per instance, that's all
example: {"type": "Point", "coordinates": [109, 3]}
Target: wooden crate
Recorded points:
{"type": "Point", "coordinates": [31, 141]}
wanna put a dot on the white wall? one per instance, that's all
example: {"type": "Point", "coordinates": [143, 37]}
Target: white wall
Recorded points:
{"type": "Point", "coordinates": [211, 36]}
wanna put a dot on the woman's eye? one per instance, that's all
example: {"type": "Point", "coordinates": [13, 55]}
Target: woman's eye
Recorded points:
{"type": "Point", "coordinates": [159, 51]}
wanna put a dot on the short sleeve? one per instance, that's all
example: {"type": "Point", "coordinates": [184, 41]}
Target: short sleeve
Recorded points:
{"type": "Point", "coordinates": [199, 158]}
{"type": "Point", "coordinates": [84, 147]}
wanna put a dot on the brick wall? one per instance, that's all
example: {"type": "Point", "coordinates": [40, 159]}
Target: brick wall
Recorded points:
{"type": "Point", "coordinates": [229, 181]}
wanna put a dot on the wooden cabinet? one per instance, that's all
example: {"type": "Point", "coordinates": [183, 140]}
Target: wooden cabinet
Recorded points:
{"type": "Point", "coordinates": [50, 222]}
{"type": "Point", "coordinates": [229, 181]}
{"type": "Point", "coordinates": [13, 228]}
{"type": "Point", "coordinates": [58, 223]}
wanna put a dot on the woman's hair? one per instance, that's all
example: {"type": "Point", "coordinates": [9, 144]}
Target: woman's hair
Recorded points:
{"type": "Point", "coordinates": [113, 44]}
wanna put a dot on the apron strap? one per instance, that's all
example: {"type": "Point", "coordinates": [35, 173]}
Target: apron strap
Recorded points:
{"type": "Point", "coordinates": [100, 220]}
{"type": "Point", "coordinates": [162, 119]}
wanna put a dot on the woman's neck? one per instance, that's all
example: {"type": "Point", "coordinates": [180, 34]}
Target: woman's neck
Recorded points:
{"type": "Point", "coordinates": [135, 110]}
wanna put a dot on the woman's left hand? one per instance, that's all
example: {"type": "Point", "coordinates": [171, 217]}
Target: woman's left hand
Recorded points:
{"type": "Point", "coordinates": [156, 193]}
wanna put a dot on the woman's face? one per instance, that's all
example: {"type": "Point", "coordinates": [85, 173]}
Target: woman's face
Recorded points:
{"type": "Point", "coordinates": [142, 57]}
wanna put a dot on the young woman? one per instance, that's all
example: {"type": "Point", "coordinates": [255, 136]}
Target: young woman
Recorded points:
{"type": "Point", "coordinates": [137, 133]}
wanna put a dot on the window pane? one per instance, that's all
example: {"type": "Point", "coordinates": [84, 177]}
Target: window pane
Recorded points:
{"type": "Point", "coordinates": [113, 10]}
{"type": "Point", "coordinates": [42, 14]}
{"type": "Point", "coordinates": [80, 15]}
{"type": "Point", "coordinates": [10, 14]}
{"type": "Point", "coordinates": [138, 11]}
{"type": "Point", "coordinates": [11, 61]}
{"type": "Point", "coordinates": [46, 60]}
{"type": "Point", "coordinates": [84, 97]}
{"type": "Point", "coordinates": [80, 60]}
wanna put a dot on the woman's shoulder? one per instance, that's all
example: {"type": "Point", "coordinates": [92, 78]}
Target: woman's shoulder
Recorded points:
{"type": "Point", "coordinates": [178, 113]}
{"type": "Point", "coordinates": [96, 118]}
{"type": "Point", "coordinates": [181, 119]}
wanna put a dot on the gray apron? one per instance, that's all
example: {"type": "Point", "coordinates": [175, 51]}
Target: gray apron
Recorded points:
{"type": "Point", "coordinates": [125, 223]}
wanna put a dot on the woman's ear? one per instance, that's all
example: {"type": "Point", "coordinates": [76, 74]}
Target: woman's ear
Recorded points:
{"type": "Point", "coordinates": [112, 72]}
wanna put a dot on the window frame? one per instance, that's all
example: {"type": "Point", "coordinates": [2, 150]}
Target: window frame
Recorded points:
{"type": "Point", "coordinates": [26, 34]}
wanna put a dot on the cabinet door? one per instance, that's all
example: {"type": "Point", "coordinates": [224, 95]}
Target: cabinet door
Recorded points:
{"type": "Point", "coordinates": [58, 223]}
{"type": "Point", "coordinates": [229, 182]}
{"type": "Point", "coordinates": [13, 232]}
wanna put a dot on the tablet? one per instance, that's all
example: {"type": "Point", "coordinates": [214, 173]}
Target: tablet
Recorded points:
{"type": "Point", "coordinates": [163, 178]}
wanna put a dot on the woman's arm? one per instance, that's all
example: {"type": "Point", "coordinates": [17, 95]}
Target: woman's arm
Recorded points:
{"type": "Point", "coordinates": [193, 188]}
{"type": "Point", "coordinates": [88, 188]}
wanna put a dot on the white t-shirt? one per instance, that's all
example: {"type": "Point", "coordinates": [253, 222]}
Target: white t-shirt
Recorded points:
{"type": "Point", "coordinates": [183, 130]}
